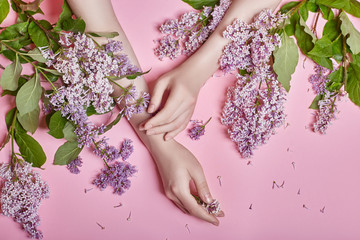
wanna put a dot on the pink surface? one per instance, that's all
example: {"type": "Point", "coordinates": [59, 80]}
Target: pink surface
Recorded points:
{"type": "Point", "coordinates": [326, 167]}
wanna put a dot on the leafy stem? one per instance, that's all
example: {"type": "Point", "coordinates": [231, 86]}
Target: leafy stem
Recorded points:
{"type": "Point", "coordinates": [38, 68]}
{"type": "Point", "coordinates": [12, 130]}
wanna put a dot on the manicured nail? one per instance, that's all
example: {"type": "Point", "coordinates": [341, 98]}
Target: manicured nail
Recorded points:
{"type": "Point", "coordinates": [216, 223]}
{"type": "Point", "coordinates": [220, 214]}
{"type": "Point", "coordinates": [151, 108]}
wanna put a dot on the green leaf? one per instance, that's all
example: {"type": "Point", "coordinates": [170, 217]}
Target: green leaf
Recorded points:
{"type": "Point", "coordinates": [199, 4]}
{"type": "Point", "coordinates": [322, 48]}
{"type": "Point", "coordinates": [332, 29]}
{"type": "Point", "coordinates": [287, 7]}
{"type": "Point", "coordinates": [66, 153]}
{"type": "Point", "coordinates": [353, 83]}
{"type": "Point", "coordinates": [286, 60]}
{"type": "Point", "coordinates": [30, 149]}
{"type": "Point", "coordinates": [36, 55]}
{"type": "Point", "coordinates": [303, 11]}
{"type": "Point", "coordinates": [322, 61]}
{"type": "Point", "coordinates": [74, 25]}
{"type": "Point", "coordinates": [29, 95]}
{"type": "Point", "coordinates": [347, 28]}
{"type": "Point", "coordinates": [327, 12]}
{"type": "Point", "coordinates": [104, 34]}
{"type": "Point", "coordinates": [10, 117]}
{"type": "Point", "coordinates": [114, 122]}
{"type": "Point", "coordinates": [353, 8]}
{"type": "Point", "coordinates": [334, 3]}
{"type": "Point", "coordinates": [10, 76]}
{"type": "Point", "coordinates": [30, 120]}
{"type": "Point", "coordinates": [4, 9]}
{"type": "Point", "coordinates": [14, 31]}
{"type": "Point", "coordinates": [312, 6]}
{"type": "Point", "coordinates": [91, 110]}
{"type": "Point", "coordinates": [69, 133]}
{"type": "Point", "coordinates": [21, 82]}
{"type": "Point", "coordinates": [65, 14]}
{"type": "Point", "coordinates": [137, 74]}
{"type": "Point", "coordinates": [337, 48]}
{"type": "Point", "coordinates": [336, 79]}
{"type": "Point", "coordinates": [305, 38]}
{"type": "Point", "coordinates": [314, 104]}
{"type": "Point", "coordinates": [56, 125]}
{"type": "Point", "coordinates": [37, 34]}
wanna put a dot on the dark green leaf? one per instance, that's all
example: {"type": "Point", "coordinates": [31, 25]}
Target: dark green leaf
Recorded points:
{"type": "Point", "coordinates": [353, 8]}
{"type": "Point", "coordinates": [9, 118]}
{"type": "Point", "coordinates": [355, 59]}
{"type": "Point", "coordinates": [56, 125]}
{"type": "Point", "coordinates": [69, 133]}
{"type": "Point", "coordinates": [322, 48]}
{"type": "Point", "coordinates": [286, 60]}
{"type": "Point", "coordinates": [91, 110]}
{"type": "Point", "coordinates": [290, 28]}
{"type": "Point", "coordinates": [30, 120]}
{"type": "Point", "coordinates": [10, 76]}
{"type": "Point", "coordinates": [104, 34]}
{"type": "Point", "coordinates": [305, 38]}
{"type": "Point", "coordinates": [337, 48]}
{"type": "Point", "coordinates": [312, 6]}
{"type": "Point", "coordinates": [348, 29]}
{"type": "Point", "coordinates": [327, 12]}
{"type": "Point", "coordinates": [332, 29]}
{"type": "Point", "coordinates": [287, 7]}
{"type": "Point", "coordinates": [65, 14]}
{"type": "Point", "coordinates": [335, 3]}
{"type": "Point", "coordinates": [303, 11]}
{"type": "Point", "coordinates": [29, 95]}
{"type": "Point", "coordinates": [322, 61]}
{"type": "Point", "coordinates": [353, 83]}
{"type": "Point", "coordinates": [74, 25]}
{"type": "Point", "coordinates": [37, 34]}
{"type": "Point", "coordinates": [199, 4]}
{"type": "Point", "coordinates": [30, 149]}
{"type": "Point", "coordinates": [314, 104]}
{"type": "Point", "coordinates": [4, 9]}
{"type": "Point", "coordinates": [66, 153]}
{"type": "Point", "coordinates": [336, 79]}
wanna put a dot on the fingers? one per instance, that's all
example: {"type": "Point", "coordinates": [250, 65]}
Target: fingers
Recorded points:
{"type": "Point", "coordinates": [157, 96]}
{"type": "Point", "coordinates": [174, 132]}
{"type": "Point", "coordinates": [172, 128]}
{"type": "Point", "coordinates": [196, 210]}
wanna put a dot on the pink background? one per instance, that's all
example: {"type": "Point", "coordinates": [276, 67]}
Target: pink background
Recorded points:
{"type": "Point", "coordinates": [326, 167]}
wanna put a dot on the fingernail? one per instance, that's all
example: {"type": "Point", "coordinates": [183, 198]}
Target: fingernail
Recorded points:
{"type": "Point", "coordinates": [216, 223]}
{"type": "Point", "coordinates": [151, 108]}
{"type": "Point", "coordinates": [141, 128]}
{"type": "Point", "coordinates": [220, 214]}
{"type": "Point", "coordinates": [167, 138]}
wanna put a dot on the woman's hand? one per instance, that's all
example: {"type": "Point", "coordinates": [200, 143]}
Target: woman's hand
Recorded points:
{"type": "Point", "coordinates": [183, 87]}
{"type": "Point", "coordinates": [178, 167]}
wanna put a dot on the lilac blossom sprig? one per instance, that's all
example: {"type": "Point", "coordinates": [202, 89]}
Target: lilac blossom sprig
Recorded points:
{"type": "Point", "coordinates": [74, 165]}
{"type": "Point", "coordinates": [21, 195]}
{"type": "Point", "coordinates": [117, 176]}
{"type": "Point", "coordinates": [186, 34]}
{"type": "Point", "coordinates": [255, 105]}
{"type": "Point", "coordinates": [327, 104]}
{"type": "Point", "coordinates": [198, 129]}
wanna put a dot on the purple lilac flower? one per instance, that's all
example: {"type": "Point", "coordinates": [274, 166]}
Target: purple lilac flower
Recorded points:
{"type": "Point", "coordinates": [126, 149]}
{"type": "Point", "coordinates": [255, 105]}
{"type": "Point", "coordinates": [319, 79]}
{"type": "Point", "coordinates": [106, 152]}
{"type": "Point", "coordinates": [198, 129]}
{"type": "Point", "coordinates": [326, 112]}
{"type": "Point", "coordinates": [186, 34]}
{"type": "Point", "coordinates": [21, 195]}
{"type": "Point", "coordinates": [116, 176]}
{"type": "Point", "coordinates": [74, 165]}
{"type": "Point", "coordinates": [113, 46]}
{"type": "Point", "coordinates": [213, 207]}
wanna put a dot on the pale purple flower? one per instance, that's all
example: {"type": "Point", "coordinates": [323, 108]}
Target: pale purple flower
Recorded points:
{"type": "Point", "coordinates": [21, 195]}
{"type": "Point", "coordinates": [106, 152]}
{"type": "Point", "coordinates": [213, 207]}
{"type": "Point", "coordinates": [320, 79]}
{"type": "Point", "coordinates": [198, 129]}
{"type": "Point", "coordinates": [186, 34]}
{"type": "Point", "coordinates": [113, 46]}
{"type": "Point", "coordinates": [117, 176]}
{"type": "Point", "coordinates": [126, 149]}
{"type": "Point", "coordinates": [326, 112]}
{"type": "Point", "coordinates": [74, 165]}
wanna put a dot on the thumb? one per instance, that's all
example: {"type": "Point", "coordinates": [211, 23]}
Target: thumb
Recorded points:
{"type": "Point", "coordinates": [157, 96]}
{"type": "Point", "coordinates": [202, 188]}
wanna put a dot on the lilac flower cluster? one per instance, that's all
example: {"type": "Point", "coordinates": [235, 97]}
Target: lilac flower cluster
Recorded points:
{"type": "Point", "coordinates": [255, 105]}
{"type": "Point", "coordinates": [126, 149]}
{"type": "Point", "coordinates": [85, 69]}
{"type": "Point", "coordinates": [21, 195]}
{"type": "Point", "coordinates": [213, 207]}
{"type": "Point", "coordinates": [198, 129]}
{"type": "Point", "coordinates": [116, 176]}
{"type": "Point", "coordinates": [327, 106]}
{"type": "Point", "coordinates": [186, 34]}
{"type": "Point", "coordinates": [74, 165]}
